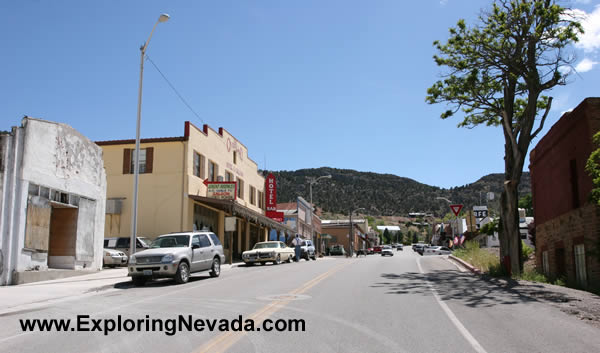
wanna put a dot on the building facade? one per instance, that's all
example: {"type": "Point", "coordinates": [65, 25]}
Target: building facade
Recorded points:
{"type": "Point", "coordinates": [567, 223]}
{"type": "Point", "coordinates": [339, 230]}
{"type": "Point", "coordinates": [53, 193]}
{"type": "Point", "coordinates": [172, 190]}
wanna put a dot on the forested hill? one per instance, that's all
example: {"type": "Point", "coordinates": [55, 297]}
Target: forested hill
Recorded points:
{"type": "Point", "coordinates": [385, 194]}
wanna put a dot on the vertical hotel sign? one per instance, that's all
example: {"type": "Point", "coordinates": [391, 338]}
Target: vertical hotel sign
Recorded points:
{"type": "Point", "coordinates": [271, 199]}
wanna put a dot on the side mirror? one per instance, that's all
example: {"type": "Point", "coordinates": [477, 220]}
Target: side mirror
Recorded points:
{"type": "Point", "coordinates": [195, 246]}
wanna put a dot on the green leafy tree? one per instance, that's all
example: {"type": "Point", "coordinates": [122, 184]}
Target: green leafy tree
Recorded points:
{"type": "Point", "coordinates": [526, 202]}
{"type": "Point", "coordinates": [497, 72]}
{"type": "Point", "coordinates": [386, 236]}
{"type": "Point", "coordinates": [415, 237]}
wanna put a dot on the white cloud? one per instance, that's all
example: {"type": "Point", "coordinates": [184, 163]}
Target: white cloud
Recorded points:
{"type": "Point", "coordinates": [589, 41]}
{"type": "Point", "coordinates": [585, 65]}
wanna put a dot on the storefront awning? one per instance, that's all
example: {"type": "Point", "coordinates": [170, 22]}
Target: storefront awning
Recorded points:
{"type": "Point", "coordinates": [238, 210]}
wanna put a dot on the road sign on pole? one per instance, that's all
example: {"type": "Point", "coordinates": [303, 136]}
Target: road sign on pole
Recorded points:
{"type": "Point", "coordinates": [456, 209]}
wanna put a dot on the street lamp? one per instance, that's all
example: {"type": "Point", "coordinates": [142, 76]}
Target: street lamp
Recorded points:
{"type": "Point", "coordinates": [450, 202]}
{"type": "Point", "coordinates": [351, 235]}
{"type": "Point", "coordinates": [136, 170]}
{"type": "Point", "coordinates": [311, 181]}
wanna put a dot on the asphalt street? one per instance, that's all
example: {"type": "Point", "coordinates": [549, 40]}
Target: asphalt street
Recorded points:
{"type": "Point", "coordinates": [405, 303]}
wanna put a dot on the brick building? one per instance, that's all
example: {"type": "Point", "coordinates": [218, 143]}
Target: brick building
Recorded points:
{"type": "Point", "coordinates": [567, 222]}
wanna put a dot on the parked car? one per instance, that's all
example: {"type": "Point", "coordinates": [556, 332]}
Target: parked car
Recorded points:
{"type": "Point", "coordinates": [122, 244]}
{"type": "Point", "coordinates": [308, 250]}
{"type": "Point", "coordinates": [268, 251]}
{"type": "Point", "coordinates": [387, 250]}
{"type": "Point", "coordinates": [399, 247]}
{"type": "Point", "coordinates": [377, 249]}
{"type": "Point", "coordinates": [370, 251]}
{"type": "Point", "coordinates": [421, 250]}
{"type": "Point", "coordinates": [437, 250]}
{"type": "Point", "coordinates": [176, 256]}
{"type": "Point", "coordinates": [337, 250]}
{"type": "Point", "coordinates": [114, 258]}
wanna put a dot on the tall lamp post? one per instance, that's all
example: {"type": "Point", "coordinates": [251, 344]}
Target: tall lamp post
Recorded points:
{"type": "Point", "coordinates": [449, 202]}
{"type": "Point", "coordinates": [311, 181]}
{"type": "Point", "coordinates": [351, 235]}
{"type": "Point", "coordinates": [136, 170]}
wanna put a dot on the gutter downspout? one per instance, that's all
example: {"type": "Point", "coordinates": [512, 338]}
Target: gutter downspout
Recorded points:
{"type": "Point", "coordinates": [183, 195]}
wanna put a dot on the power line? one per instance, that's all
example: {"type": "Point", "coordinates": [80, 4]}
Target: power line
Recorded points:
{"type": "Point", "coordinates": [175, 90]}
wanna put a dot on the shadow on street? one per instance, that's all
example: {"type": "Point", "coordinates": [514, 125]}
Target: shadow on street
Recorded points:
{"type": "Point", "coordinates": [473, 291]}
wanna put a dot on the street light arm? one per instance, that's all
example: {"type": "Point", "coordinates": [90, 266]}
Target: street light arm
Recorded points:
{"type": "Point", "coordinates": [162, 18]}
{"type": "Point", "coordinates": [443, 198]}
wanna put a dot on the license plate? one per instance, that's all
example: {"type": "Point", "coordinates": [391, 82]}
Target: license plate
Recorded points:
{"type": "Point", "coordinates": [147, 272]}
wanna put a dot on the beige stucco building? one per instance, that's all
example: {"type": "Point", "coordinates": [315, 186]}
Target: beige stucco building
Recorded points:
{"type": "Point", "coordinates": [172, 194]}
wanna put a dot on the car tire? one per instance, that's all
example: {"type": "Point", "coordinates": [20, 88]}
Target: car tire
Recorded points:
{"type": "Point", "coordinates": [139, 281]}
{"type": "Point", "coordinates": [183, 273]}
{"type": "Point", "coordinates": [263, 263]}
{"type": "Point", "coordinates": [215, 270]}
{"type": "Point", "coordinates": [277, 260]}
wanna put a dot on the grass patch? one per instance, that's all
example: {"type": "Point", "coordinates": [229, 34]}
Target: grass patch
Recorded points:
{"type": "Point", "coordinates": [477, 257]}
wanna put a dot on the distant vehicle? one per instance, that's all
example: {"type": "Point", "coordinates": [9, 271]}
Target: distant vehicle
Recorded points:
{"type": "Point", "coordinates": [177, 255]}
{"type": "Point", "coordinates": [437, 250]}
{"type": "Point", "coordinates": [418, 247]}
{"type": "Point", "coordinates": [268, 251]}
{"type": "Point", "coordinates": [122, 244]}
{"type": "Point", "coordinates": [386, 250]}
{"type": "Point", "coordinates": [337, 250]}
{"type": "Point", "coordinates": [307, 250]}
{"type": "Point", "coordinates": [399, 247]}
{"type": "Point", "coordinates": [114, 258]}
{"type": "Point", "coordinates": [370, 251]}
{"type": "Point", "coordinates": [377, 249]}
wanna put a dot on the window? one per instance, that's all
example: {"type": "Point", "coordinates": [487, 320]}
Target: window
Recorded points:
{"type": "Point", "coordinates": [204, 242]}
{"type": "Point", "coordinates": [229, 176]}
{"type": "Point", "coordinates": [199, 165]}
{"type": "Point", "coordinates": [545, 264]}
{"type": "Point", "coordinates": [123, 243]}
{"type": "Point", "coordinates": [234, 157]}
{"type": "Point", "coordinates": [240, 189]}
{"type": "Point", "coordinates": [213, 171]}
{"type": "Point", "coordinates": [195, 240]}
{"type": "Point", "coordinates": [252, 195]}
{"type": "Point", "coordinates": [215, 239]}
{"type": "Point", "coordinates": [580, 270]}
{"type": "Point", "coordinates": [145, 162]}
{"type": "Point", "coordinates": [261, 200]}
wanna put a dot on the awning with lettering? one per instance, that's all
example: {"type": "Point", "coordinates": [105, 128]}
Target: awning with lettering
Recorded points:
{"type": "Point", "coordinates": [238, 210]}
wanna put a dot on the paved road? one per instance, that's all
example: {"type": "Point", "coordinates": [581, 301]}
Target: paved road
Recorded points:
{"type": "Point", "coordinates": [406, 303]}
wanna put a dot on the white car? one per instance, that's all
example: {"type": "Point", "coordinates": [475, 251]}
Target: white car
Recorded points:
{"type": "Point", "coordinates": [437, 250]}
{"type": "Point", "coordinates": [268, 251]}
{"type": "Point", "coordinates": [114, 258]}
{"type": "Point", "coordinates": [387, 250]}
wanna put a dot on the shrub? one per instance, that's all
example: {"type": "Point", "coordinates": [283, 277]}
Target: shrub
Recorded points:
{"type": "Point", "coordinates": [526, 251]}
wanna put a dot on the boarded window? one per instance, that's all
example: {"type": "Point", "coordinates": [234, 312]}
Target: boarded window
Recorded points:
{"type": "Point", "coordinates": [580, 269]}
{"type": "Point", "coordinates": [37, 229]}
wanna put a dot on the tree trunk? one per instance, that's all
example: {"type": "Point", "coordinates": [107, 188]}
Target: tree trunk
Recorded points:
{"type": "Point", "coordinates": [510, 237]}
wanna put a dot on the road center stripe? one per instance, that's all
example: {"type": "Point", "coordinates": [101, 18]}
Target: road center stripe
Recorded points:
{"type": "Point", "coordinates": [222, 342]}
{"type": "Point", "coordinates": [461, 328]}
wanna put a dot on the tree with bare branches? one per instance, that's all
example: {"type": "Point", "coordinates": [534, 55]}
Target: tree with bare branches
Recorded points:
{"type": "Point", "coordinates": [497, 72]}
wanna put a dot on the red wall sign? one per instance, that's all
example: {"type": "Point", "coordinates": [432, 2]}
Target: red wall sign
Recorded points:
{"type": "Point", "coordinates": [271, 193]}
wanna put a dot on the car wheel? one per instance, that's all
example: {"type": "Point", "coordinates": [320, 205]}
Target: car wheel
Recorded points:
{"type": "Point", "coordinates": [139, 281]}
{"type": "Point", "coordinates": [183, 273]}
{"type": "Point", "coordinates": [216, 267]}
{"type": "Point", "coordinates": [314, 257]}
{"type": "Point", "coordinates": [277, 260]}
{"type": "Point", "coordinates": [263, 263]}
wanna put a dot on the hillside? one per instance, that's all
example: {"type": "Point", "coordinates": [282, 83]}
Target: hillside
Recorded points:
{"type": "Point", "coordinates": [385, 194]}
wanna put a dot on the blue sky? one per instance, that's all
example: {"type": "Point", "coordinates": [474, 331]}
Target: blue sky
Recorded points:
{"type": "Point", "coordinates": [302, 84]}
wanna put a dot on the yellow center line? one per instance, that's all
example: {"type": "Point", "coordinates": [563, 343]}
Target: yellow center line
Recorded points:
{"type": "Point", "coordinates": [228, 339]}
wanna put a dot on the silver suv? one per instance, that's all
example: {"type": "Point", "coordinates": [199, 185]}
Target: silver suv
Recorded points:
{"type": "Point", "coordinates": [308, 250]}
{"type": "Point", "coordinates": [177, 255]}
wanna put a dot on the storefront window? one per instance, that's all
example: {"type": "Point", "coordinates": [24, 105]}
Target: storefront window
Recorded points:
{"type": "Point", "coordinates": [205, 219]}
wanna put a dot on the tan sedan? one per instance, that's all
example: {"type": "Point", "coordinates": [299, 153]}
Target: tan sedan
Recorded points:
{"type": "Point", "coordinates": [268, 251]}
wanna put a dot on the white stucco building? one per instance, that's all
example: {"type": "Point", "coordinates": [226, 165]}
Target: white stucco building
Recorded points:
{"type": "Point", "coordinates": [52, 202]}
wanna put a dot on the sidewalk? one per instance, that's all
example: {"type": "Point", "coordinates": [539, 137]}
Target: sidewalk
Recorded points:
{"type": "Point", "coordinates": [29, 296]}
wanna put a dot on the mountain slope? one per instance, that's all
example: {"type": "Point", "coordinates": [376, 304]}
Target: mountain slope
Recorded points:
{"type": "Point", "coordinates": [385, 194]}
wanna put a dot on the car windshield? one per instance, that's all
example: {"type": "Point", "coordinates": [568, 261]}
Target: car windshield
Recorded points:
{"type": "Point", "coordinates": [265, 246]}
{"type": "Point", "coordinates": [172, 241]}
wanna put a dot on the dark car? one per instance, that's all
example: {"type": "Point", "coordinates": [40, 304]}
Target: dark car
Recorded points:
{"type": "Point", "coordinates": [370, 251]}
{"type": "Point", "coordinates": [337, 250]}
{"type": "Point", "coordinates": [399, 247]}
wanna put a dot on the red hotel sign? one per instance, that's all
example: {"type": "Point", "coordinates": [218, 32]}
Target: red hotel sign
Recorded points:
{"type": "Point", "coordinates": [271, 199]}
{"type": "Point", "coordinates": [271, 193]}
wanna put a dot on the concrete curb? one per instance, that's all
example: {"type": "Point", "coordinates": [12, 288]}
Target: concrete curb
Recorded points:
{"type": "Point", "coordinates": [465, 264]}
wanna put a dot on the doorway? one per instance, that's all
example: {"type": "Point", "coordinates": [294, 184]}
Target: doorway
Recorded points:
{"type": "Point", "coordinates": [63, 237]}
